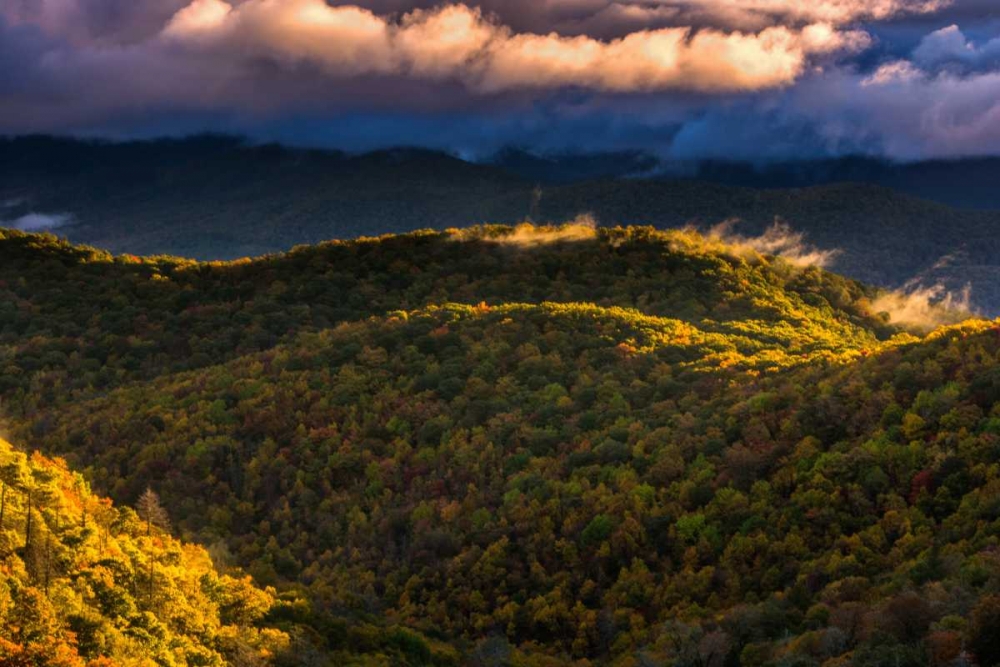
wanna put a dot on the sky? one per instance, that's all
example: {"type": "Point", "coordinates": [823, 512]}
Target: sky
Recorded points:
{"type": "Point", "coordinates": [685, 79]}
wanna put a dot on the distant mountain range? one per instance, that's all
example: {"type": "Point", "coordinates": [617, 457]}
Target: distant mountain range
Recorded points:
{"type": "Point", "coordinates": [967, 183]}
{"type": "Point", "coordinates": [219, 198]}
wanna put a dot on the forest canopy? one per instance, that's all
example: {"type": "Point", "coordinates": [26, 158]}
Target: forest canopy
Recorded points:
{"type": "Point", "coordinates": [532, 446]}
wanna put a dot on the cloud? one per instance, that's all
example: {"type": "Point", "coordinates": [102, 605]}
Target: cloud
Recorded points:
{"type": "Point", "coordinates": [897, 71]}
{"type": "Point", "coordinates": [93, 21]}
{"type": "Point", "coordinates": [949, 48]}
{"type": "Point", "coordinates": [768, 12]}
{"type": "Point", "coordinates": [925, 307]}
{"type": "Point", "coordinates": [615, 18]}
{"type": "Point", "coordinates": [898, 111]}
{"type": "Point", "coordinates": [914, 116]}
{"type": "Point", "coordinates": [38, 222]}
{"type": "Point", "coordinates": [779, 240]}
{"type": "Point", "coordinates": [688, 79]}
{"type": "Point", "coordinates": [129, 21]}
{"type": "Point", "coordinates": [456, 42]}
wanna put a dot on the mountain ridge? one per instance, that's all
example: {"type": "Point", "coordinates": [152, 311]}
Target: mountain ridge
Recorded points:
{"type": "Point", "coordinates": [217, 198]}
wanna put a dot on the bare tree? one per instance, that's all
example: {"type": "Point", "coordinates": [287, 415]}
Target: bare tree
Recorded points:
{"type": "Point", "coordinates": [152, 512]}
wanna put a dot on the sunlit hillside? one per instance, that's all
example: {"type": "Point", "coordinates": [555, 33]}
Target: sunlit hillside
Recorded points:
{"type": "Point", "coordinates": [83, 582]}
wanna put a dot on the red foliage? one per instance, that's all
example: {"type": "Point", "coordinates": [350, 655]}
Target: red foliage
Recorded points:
{"type": "Point", "coordinates": [921, 481]}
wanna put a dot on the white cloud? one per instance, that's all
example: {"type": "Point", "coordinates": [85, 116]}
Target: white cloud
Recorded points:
{"type": "Point", "coordinates": [200, 17]}
{"type": "Point", "coordinates": [458, 42]}
{"type": "Point", "coordinates": [896, 71]}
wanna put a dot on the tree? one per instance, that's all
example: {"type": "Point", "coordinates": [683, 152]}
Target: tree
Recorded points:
{"type": "Point", "coordinates": [9, 474]}
{"type": "Point", "coordinates": [38, 493]}
{"type": "Point", "coordinates": [984, 639]}
{"type": "Point", "coordinates": [152, 512]}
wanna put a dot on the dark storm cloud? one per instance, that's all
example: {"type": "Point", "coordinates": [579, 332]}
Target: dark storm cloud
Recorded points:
{"type": "Point", "coordinates": [754, 79]}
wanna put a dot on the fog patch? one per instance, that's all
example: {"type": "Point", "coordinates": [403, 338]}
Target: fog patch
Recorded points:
{"type": "Point", "coordinates": [39, 222]}
{"type": "Point", "coordinates": [779, 240]}
{"type": "Point", "coordinates": [925, 307]}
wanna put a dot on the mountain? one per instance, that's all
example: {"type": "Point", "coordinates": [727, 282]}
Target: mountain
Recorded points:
{"type": "Point", "coordinates": [969, 183]}
{"type": "Point", "coordinates": [964, 183]}
{"type": "Point", "coordinates": [218, 198]}
{"type": "Point", "coordinates": [75, 318]}
{"type": "Point", "coordinates": [536, 445]}
{"type": "Point", "coordinates": [214, 197]}
{"type": "Point", "coordinates": [565, 168]}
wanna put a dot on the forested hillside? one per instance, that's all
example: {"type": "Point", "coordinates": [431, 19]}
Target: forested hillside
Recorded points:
{"type": "Point", "coordinates": [510, 446]}
{"type": "Point", "coordinates": [77, 320]}
{"type": "Point", "coordinates": [216, 198]}
{"type": "Point", "coordinates": [85, 583]}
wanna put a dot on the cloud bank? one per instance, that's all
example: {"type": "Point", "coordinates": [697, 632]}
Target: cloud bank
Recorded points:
{"type": "Point", "coordinates": [129, 21]}
{"type": "Point", "coordinates": [759, 79]}
{"type": "Point", "coordinates": [458, 43]}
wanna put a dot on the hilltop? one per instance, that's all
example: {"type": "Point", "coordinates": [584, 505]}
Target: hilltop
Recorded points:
{"type": "Point", "coordinates": [79, 319]}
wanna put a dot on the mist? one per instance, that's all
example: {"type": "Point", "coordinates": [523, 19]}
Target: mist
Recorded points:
{"type": "Point", "coordinates": [925, 307]}
{"type": "Point", "coordinates": [779, 240]}
{"type": "Point", "coordinates": [527, 235]}
{"type": "Point", "coordinates": [39, 222]}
